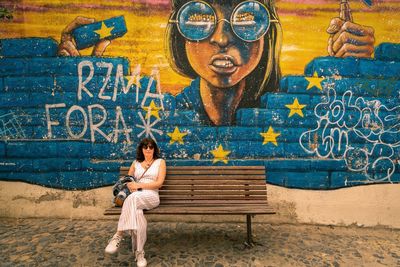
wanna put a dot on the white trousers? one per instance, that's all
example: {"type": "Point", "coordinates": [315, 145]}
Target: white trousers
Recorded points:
{"type": "Point", "coordinates": [132, 217]}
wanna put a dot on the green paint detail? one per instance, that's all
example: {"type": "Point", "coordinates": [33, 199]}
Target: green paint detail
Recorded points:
{"type": "Point", "coordinates": [5, 14]}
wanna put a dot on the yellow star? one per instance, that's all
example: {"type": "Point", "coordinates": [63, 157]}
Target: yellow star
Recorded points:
{"type": "Point", "coordinates": [152, 110]}
{"type": "Point", "coordinates": [104, 31]}
{"type": "Point", "coordinates": [176, 136]}
{"type": "Point", "coordinates": [314, 81]}
{"type": "Point", "coordinates": [270, 136]}
{"type": "Point", "coordinates": [220, 154]}
{"type": "Point", "coordinates": [295, 108]}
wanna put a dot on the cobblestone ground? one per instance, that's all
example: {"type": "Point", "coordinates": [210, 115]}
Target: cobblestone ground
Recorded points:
{"type": "Point", "coordinates": [50, 242]}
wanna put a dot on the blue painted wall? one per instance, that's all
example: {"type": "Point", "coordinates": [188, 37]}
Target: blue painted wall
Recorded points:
{"type": "Point", "coordinates": [72, 122]}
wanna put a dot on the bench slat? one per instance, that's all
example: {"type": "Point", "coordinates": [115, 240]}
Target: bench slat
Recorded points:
{"type": "Point", "coordinates": [238, 187]}
{"type": "Point", "coordinates": [212, 203]}
{"type": "Point", "coordinates": [210, 210]}
{"type": "Point", "coordinates": [216, 177]}
{"type": "Point", "coordinates": [209, 168]}
{"type": "Point", "coordinates": [211, 197]}
{"type": "Point", "coordinates": [213, 182]}
{"type": "Point", "coordinates": [211, 192]}
{"type": "Point", "coordinates": [215, 172]}
{"type": "Point", "coordinates": [261, 167]}
{"type": "Point", "coordinates": [209, 172]}
{"type": "Point", "coordinates": [237, 209]}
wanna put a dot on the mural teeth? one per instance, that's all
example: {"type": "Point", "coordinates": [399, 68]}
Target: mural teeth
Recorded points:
{"type": "Point", "coordinates": [223, 63]}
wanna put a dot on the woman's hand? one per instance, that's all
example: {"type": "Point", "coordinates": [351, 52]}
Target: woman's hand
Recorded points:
{"type": "Point", "coordinates": [67, 46]}
{"type": "Point", "coordinates": [132, 186]}
{"type": "Point", "coordinates": [348, 39]}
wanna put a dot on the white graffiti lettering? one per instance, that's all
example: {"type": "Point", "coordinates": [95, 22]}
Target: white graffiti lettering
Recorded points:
{"type": "Point", "coordinates": [155, 73]}
{"type": "Point", "coordinates": [125, 130]}
{"type": "Point", "coordinates": [67, 122]}
{"type": "Point", "coordinates": [365, 133]}
{"type": "Point", "coordinates": [49, 121]}
{"type": "Point", "coordinates": [109, 67]}
{"type": "Point", "coordinates": [82, 84]}
{"type": "Point", "coordinates": [94, 118]}
{"type": "Point", "coordinates": [119, 81]}
{"type": "Point", "coordinates": [94, 127]}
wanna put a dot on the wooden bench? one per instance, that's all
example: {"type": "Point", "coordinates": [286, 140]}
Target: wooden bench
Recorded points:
{"type": "Point", "coordinates": [212, 190]}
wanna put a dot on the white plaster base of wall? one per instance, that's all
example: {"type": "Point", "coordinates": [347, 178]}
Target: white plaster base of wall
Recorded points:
{"type": "Point", "coordinates": [363, 205]}
{"type": "Point", "coordinates": [368, 205]}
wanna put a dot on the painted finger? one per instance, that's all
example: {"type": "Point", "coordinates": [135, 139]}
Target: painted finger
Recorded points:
{"type": "Point", "coordinates": [100, 47]}
{"type": "Point", "coordinates": [339, 34]}
{"type": "Point", "coordinates": [356, 29]}
{"type": "Point", "coordinates": [348, 38]}
{"type": "Point", "coordinates": [335, 25]}
{"type": "Point", "coordinates": [63, 53]}
{"type": "Point", "coordinates": [358, 51]}
{"type": "Point", "coordinates": [330, 44]}
{"type": "Point", "coordinates": [358, 55]}
{"type": "Point", "coordinates": [62, 47]}
{"type": "Point", "coordinates": [71, 48]}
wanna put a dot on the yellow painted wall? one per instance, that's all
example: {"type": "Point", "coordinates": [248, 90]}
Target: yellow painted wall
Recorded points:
{"type": "Point", "coordinates": [304, 24]}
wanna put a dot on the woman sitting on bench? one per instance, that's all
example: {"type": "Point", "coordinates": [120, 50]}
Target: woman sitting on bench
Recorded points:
{"type": "Point", "coordinates": [144, 195]}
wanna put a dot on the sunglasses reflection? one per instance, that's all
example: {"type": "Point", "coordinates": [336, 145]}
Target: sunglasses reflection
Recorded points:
{"type": "Point", "coordinates": [197, 20]}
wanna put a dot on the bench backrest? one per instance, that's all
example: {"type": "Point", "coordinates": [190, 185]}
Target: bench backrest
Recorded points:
{"type": "Point", "coordinates": [211, 185]}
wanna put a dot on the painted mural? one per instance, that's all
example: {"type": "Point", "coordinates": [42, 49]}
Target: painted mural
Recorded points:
{"type": "Point", "coordinates": [310, 89]}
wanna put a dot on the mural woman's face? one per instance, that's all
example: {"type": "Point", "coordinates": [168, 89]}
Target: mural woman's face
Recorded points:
{"type": "Point", "coordinates": [223, 59]}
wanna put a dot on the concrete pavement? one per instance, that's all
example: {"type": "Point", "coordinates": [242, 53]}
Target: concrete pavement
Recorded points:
{"type": "Point", "coordinates": [62, 242]}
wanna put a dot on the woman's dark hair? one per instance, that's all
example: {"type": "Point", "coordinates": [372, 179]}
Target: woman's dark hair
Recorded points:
{"type": "Point", "coordinates": [264, 78]}
{"type": "Point", "coordinates": [144, 143]}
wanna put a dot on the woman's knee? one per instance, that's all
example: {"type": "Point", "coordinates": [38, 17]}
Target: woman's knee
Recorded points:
{"type": "Point", "coordinates": [132, 197]}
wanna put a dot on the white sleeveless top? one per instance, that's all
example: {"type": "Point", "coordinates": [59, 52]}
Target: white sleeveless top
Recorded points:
{"type": "Point", "coordinates": [150, 175]}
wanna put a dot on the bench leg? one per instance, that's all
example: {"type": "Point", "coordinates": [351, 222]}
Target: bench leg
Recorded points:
{"type": "Point", "coordinates": [249, 243]}
{"type": "Point", "coordinates": [249, 234]}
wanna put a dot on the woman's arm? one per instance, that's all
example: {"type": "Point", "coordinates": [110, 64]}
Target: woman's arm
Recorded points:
{"type": "Point", "coordinates": [131, 171]}
{"type": "Point", "coordinates": [153, 185]}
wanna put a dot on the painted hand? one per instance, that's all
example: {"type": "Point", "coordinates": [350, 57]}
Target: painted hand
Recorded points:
{"type": "Point", "coordinates": [348, 39]}
{"type": "Point", "coordinates": [67, 46]}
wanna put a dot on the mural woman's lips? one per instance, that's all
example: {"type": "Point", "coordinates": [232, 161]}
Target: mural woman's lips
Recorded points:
{"type": "Point", "coordinates": [223, 64]}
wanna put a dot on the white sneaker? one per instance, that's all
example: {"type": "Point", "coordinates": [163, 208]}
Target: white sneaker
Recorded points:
{"type": "Point", "coordinates": [114, 243]}
{"type": "Point", "coordinates": [141, 260]}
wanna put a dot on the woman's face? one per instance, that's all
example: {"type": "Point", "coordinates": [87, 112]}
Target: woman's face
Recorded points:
{"type": "Point", "coordinates": [148, 151]}
{"type": "Point", "coordinates": [223, 59]}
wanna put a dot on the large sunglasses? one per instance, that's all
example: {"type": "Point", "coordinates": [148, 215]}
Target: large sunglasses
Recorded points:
{"type": "Point", "coordinates": [151, 147]}
{"type": "Point", "coordinates": [197, 20]}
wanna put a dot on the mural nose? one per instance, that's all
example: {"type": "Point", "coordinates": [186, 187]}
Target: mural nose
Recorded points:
{"type": "Point", "coordinates": [223, 34]}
